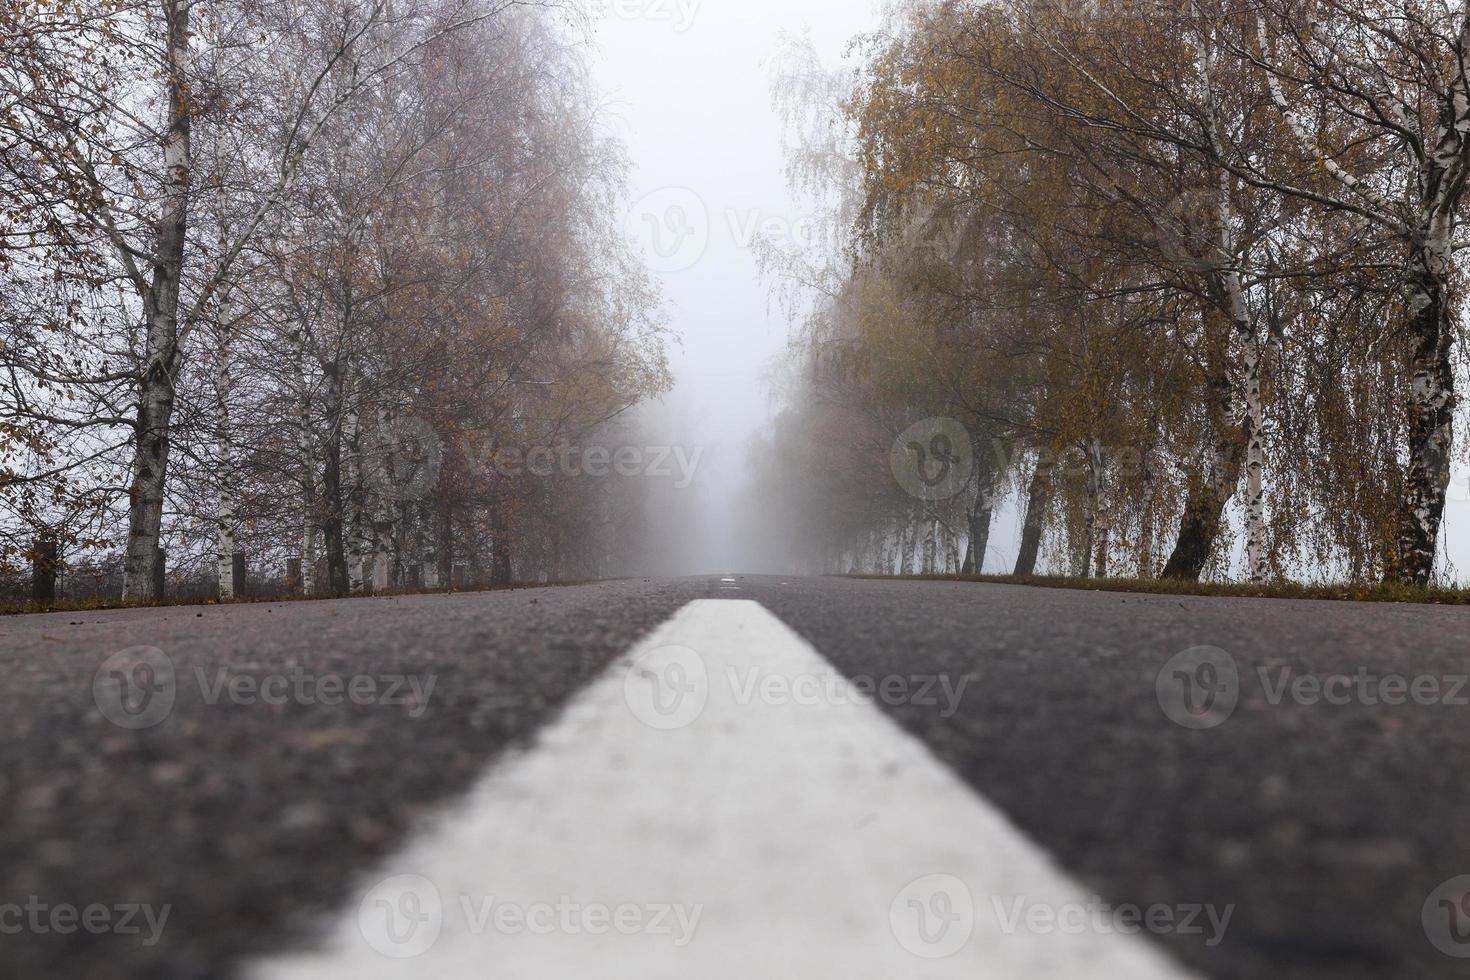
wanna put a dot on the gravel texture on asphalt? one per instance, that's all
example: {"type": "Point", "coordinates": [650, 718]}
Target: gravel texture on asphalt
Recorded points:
{"type": "Point", "coordinates": [1327, 826]}
{"type": "Point", "coordinates": [250, 820]}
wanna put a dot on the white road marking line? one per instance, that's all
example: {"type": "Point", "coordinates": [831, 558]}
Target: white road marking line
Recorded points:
{"type": "Point", "coordinates": [680, 822]}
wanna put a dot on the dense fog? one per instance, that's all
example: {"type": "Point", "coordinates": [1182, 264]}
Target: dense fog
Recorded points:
{"type": "Point", "coordinates": [464, 293]}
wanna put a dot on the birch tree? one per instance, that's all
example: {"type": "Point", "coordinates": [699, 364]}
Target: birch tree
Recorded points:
{"type": "Point", "coordinates": [1376, 95]}
{"type": "Point", "coordinates": [126, 157]}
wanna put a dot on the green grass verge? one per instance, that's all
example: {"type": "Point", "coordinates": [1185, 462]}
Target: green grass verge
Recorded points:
{"type": "Point", "coordinates": [1326, 593]}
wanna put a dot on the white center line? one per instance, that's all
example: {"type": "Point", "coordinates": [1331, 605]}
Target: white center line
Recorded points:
{"type": "Point", "coordinates": [720, 804]}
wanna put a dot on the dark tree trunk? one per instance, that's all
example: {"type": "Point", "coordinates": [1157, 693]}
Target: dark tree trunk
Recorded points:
{"type": "Point", "coordinates": [1037, 501]}
{"type": "Point", "coordinates": [1204, 508]}
{"type": "Point", "coordinates": [445, 534]}
{"type": "Point", "coordinates": [500, 545]}
{"type": "Point", "coordinates": [982, 510]}
{"type": "Point", "coordinates": [980, 521]}
{"type": "Point", "coordinates": [332, 525]}
{"type": "Point", "coordinates": [45, 562]}
{"type": "Point", "coordinates": [1197, 534]}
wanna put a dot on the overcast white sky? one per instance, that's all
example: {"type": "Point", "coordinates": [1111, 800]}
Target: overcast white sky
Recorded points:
{"type": "Point", "coordinates": [688, 89]}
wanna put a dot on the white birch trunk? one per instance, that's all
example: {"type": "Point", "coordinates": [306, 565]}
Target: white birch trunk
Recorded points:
{"type": "Point", "coordinates": [1095, 464]}
{"type": "Point", "coordinates": [1251, 383]}
{"type": "Point", "coordinates": [161, 312]}
{"type": "Point", "coordinates": [1255, 466]}
{"type": "Point", "coordinates": [907, 538]}
{"type": "Point", "coordinates": [1226, 270]}
{"type": "Point", "coordinates": [225, 517]}
{"type": "Point", "coordinates": [931, 545]}
{"type": "Point", "coordinates": [1147, 560]}
{"type": "Point", "coordinates": [1432, 404]}
{"type": "Point", "coordinates": [1426, 222]}
{"type": "Point", "coordinates": [384, 524]}
{"type": "Point", "coordinates": [306, 454]}
{"type": "Point", "coordinates": [355, 518]}
{"type": "Point", "coordinates": [1431, 307]}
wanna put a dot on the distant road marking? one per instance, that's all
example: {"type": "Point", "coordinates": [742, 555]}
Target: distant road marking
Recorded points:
{"type": "Point", "coordinates": [670, 825]}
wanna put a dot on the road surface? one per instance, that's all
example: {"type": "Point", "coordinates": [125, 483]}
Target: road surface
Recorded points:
{"type": "Point", "coordinates": [738, 776]}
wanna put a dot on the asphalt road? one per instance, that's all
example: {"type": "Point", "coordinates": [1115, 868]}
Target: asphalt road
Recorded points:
{"type": "Point", "coordinates": [1326, 825]}
{"type": "Point", "coordinates": [237, 768]}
